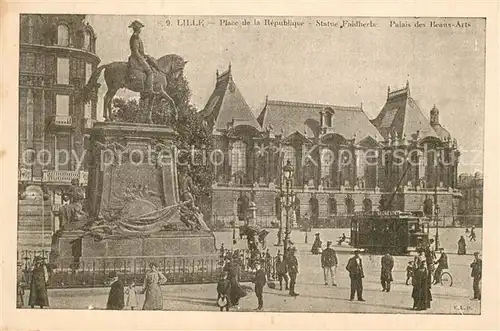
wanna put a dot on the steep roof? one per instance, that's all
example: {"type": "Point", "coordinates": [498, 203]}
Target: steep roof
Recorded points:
{"type": "Point", "coordinates": [226, 104]}
{"type": "Point", "coordinates": [402, 116]}
{"type": "Point", "coordinates": [287, 117]}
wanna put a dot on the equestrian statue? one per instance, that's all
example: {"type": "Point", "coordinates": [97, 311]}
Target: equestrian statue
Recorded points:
{"type": "Point", "coordinates": [142, 73]}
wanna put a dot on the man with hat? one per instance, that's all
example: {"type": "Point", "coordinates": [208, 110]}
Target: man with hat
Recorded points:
{"type": "Point", "coordinates": [38, 287]}
{"type": "Point", "coordinates": [116, 293]}
{"type": "Point", "coordinates": [316, 247]}
{"type": "Point", "coordinates": [223, 286]}
{"type": "Point", "coordinates": [387, 264]}
{"type": "Point", "coordinates": [356, 274]}
{"type": "Point", "coordinates": [21, 285]}
{"type": "Point", "coordinates": [140, 60]}
{"type": "Point", "coordinates": [476, 274]}
{"type": "Point", "coordinates": [329, 263]}
{"type": "Point", "coordinates": [292, 265]}
{"type": "Point", "coordinates": [281, 271]}
{"type": "Point", "coordinates": [260, 282]}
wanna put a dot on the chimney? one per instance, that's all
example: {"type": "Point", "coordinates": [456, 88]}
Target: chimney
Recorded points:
{"type": "Point", "coordinates": [321, 119]}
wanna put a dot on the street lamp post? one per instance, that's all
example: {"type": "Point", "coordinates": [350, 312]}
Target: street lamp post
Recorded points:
{"type": "Point", "coordinates": [287, 174]}
{"type": "Point", "coordinates": [435, 205]}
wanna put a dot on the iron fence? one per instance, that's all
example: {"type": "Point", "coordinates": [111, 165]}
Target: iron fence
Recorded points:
{"type": "Point", "coordinates": [71, 273]}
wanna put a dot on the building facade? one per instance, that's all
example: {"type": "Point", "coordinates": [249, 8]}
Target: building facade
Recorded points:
{"type": "Point", "coordinates": [470, 209]}
{"type": "Point", "coordinates": [57, 57]}
{"type": "Point", "coordinates": [344, 162]}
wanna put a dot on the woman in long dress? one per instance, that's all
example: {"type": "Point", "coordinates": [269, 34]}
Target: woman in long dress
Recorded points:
{"type": "Point", "coordinates": [38, 287]}
{"type": "Point", "coordinates": [421, 293]}
{"type": "Point", "coordinates": [462, 246]}
{"type": "Point", "coordinates": [153, 297]}
{"type": "Point", "coordinates": [236, 291]}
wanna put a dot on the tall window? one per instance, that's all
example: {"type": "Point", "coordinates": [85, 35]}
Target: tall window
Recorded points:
{"type": "Point", "coordinates": [62, 35]}
{"type": "Point", "coordinates": [332, 206]}
{"type": "Point", "coordinates": [87, 110]}
{"type": "Point", "coordinates": [29, 118]}
{"type": "Point", "coordinates": [62, 71]}
{"type": "Point", "coordinates": [367, 206]}
{"type": "Point", "coordinates": [62, 105]}
{"type": "Point", "coordinates": [327, 159]}
{"type": "Point", "coordinates": [289, 154]}
{"type": "Point", "coordinates": [238, 157]}
{"type": "Point", "coordinates": [31, 30]}
{"type": "Point", "coordinates": [88, 72]}
{"type": "Point", "coordinates": [86, 40]}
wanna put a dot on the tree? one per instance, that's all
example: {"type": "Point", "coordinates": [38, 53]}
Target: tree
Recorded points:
{"type": "Point", "coordinates": [192, 135]}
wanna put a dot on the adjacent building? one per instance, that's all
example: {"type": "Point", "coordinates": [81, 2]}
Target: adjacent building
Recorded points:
{"type": "Point", "coordinates": [57, 57]}
{"type": "Point", "coordinates": [470, 208]}
{"type": "Point", "coordinates": [344, 162]}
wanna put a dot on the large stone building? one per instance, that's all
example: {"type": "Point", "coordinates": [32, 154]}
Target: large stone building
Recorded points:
{"type": "Point", "coordinates": [57, 57]}
{"type": "Point", "coordinates": [470, 209]}
{"type": "Point", "coordinates": [344, 162]}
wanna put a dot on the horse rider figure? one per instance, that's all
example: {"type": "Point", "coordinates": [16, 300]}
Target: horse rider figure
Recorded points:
{"type": "Point", "coordinates": [140, 60]}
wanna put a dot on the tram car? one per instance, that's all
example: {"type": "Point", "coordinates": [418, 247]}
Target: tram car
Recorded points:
{"type": "Point", "coordinates": [396, 232]}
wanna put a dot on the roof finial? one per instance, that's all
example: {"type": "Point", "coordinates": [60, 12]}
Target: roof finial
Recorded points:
{"type": "Point", "coordinates": [217, 73]}
{"type": "Point", "coordinates": [388, 91]}
{"type": "Point", "coordinates": [361, 105]}
{"type": "Point", "coordinates": [229, 66]}
{"type": "Point", "coordinates": [407, 87]}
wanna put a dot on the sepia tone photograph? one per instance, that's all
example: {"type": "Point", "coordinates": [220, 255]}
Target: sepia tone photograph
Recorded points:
{"type": "Point", "coordinates": [251, 163]}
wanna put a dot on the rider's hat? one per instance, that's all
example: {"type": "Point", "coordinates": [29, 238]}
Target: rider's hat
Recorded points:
{"type": "Point", "coordinates": [136, 24]}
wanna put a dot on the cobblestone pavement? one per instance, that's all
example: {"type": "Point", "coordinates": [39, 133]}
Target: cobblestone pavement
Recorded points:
{"type": "Point", "coordinates": [314, 295]}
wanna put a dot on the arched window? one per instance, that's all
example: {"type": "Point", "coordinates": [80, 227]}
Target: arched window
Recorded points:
{"type": "Point", "coordinates": [289, 154]}
{"type": "Point", "coordinates": [349, 203]}
{"type": "Point", "coordinates": [367, 206]}
{"type": "Point", "coordinates": [87, 39]}
{"type": "Point", "coordinates": [332, 206]}
{"type": "Point", "coordinates": [62, 35]}
{"type": "Point", "coordinates": [238, 157]}
{"type": "Point", "coordinates": [242, 207]}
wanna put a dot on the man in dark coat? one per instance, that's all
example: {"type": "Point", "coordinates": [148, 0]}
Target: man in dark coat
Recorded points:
{"type": "Point", "coordinates": [281, 271]}
{"type": "Point", "coordinates": [21, 285]}
{"type": "Point", "coordinates": [356, 274]}
{"type": "Point", "coordinates": [442, 263]}
{"type": "Point", "coordinates": [387, 263]}
{"type": "Point", "coordinates": [260, 282]}
{"type": "Point", "coordinates": [116, 294]}
{"type": "Point", "coordinates": [462, 246]}
{"type": "Point", "coordinates": [329, 263]}
{"type": "Point", "coordinates": [476, 274]}
{"type": "Point", "coordinates": [38, 287]}
{"type": "Point", "coordinates": [292, 265]}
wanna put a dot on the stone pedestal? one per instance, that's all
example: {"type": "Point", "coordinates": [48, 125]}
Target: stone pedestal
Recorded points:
{"type": "Point", "coordinates": [134, 175]}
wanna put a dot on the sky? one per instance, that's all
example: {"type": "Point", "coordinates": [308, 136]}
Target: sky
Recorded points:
{"type": "Point", "coordinates": [348, 65]}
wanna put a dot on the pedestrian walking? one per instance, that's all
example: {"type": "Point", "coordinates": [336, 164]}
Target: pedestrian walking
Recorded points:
{"type": "Point", "coordinates": [329, 263]}
{"type": "Point", "coordinates": [153, 298]}
{"type": "Point", "coordinates": [472, 236]}
{"type": "Point", "coordinates": [387, 263]}
{"type": "Point", "coordinates": [356, 274]}
{"type": "Point", "coordinates": [116, 293]}
{"type": "Point", "coordinates": [236, 291]}
{"type": "Point", "coordinates": [462, 246]}
{"type": "Point", "coordinates": [223, 287]}
{"type": "Point", "coordinates": [260, 282]}
{"type": "Point", "coordinates": [38, 286]}
{"type": "Point", "coordinates": [21, 285]}
{"type": "Point", "coordinates": [293, 269]}
{"type": "Point", "coordinates": [477, 275]}
{"type": "Point", "coordinates": [281, 271]}
{"type": "Point", "coordinates": [268, 264]}
{"type": "Point", "coordinates": [131, 295]}
{"type": "Point", "coordinates": [316, 247]}
{"type": "Point", "coordinates": [421, 293]}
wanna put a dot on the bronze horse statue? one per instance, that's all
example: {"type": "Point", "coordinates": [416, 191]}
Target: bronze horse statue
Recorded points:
{"type": "Point", "coordinates": [120, 75]}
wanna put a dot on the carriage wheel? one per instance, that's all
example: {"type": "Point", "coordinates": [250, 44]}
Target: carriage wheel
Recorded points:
{"type": "Point", "coordinates": [446, 279]}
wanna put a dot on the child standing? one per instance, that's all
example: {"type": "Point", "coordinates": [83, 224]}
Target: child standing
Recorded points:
{"type": "Point", "coordinates": [260, 282]}
{"type": "Point", "coordinates": [409, 271]}
{"type": "Point", "coordinates": [131, 295]}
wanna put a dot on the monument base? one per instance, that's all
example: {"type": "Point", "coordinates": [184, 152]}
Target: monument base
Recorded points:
{"type": "Point", "coordinates": [172, 244]}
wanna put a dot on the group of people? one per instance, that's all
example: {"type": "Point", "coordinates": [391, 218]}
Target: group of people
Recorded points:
{"type": "Point", "coordinates": [122, 296]}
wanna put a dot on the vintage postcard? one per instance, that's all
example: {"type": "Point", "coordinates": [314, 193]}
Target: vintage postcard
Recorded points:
{"type": "Point", "coordinates": [255, 164]}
